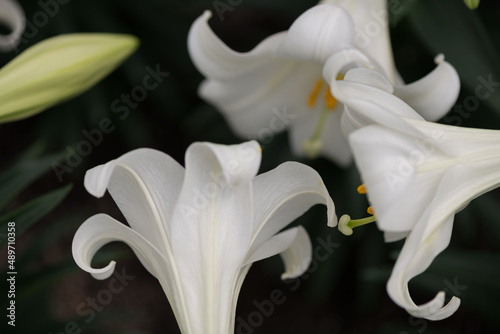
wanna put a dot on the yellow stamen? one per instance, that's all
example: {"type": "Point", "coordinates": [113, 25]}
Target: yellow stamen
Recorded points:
{"type": "Point", "coordinates": [313, 145]}
{"type": "Point", "coordinates": [362, 190]}
{"type": "Point", "coordinates": [314, 94]}
{"type": "Point", "coordinates": [330, 101]}
{"type": "Point", "coordinates": [346, 224]}
{"type": "Point", "coordinates": [370, 210]}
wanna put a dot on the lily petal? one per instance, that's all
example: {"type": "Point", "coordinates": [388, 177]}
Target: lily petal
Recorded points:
{"type": "Point", "coordinates": [216, 60]}
{"type": "Point", "coordinates": [295, 249]}
{"type": "Point", "coordinates": [298, 256]}
{"type": "Point", "coordinates": [145, 184]}
{"type": "Point", "coordinates": [12, 16]}
{"type": "Point", "coordinates": [438, 149]}
{"type": "Point", "coordinates": [392, 178]}
{"type": "Point", "coordinates": [277, 244]}
{"type": "Point", "coordinates": [100, 230]}
{"type": "Point", "coordinates": [284, 194]}
{"type": "Point", "coordinates": [370, 78]}
{"type": "Point", "coordinates": [372, 31]}
{"type": "Point", "coordinates": [212, 229]}
{"type": "Point", "coordinates": [264, 101]}
{"type": "Point", "coordinates": [318, 33]}
{"type": "Point", "coordinates": [420, 249]}
{"type": "Point", "coordinates": [433, 95]}
{"type": "Point", "coordinates": [365, 104]}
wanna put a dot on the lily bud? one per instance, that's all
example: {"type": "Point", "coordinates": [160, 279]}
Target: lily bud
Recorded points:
{"type": "Point", "coordinates": [472, 4]}
{"type": "Point", "coordinates": [57, 69]}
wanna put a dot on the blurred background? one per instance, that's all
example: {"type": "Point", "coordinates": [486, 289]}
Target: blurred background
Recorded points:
{"type": "Point", "coordinates": [343, 292]}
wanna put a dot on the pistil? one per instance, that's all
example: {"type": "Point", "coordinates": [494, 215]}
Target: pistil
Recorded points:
{"type": "Point", "coordinates": [346, 224]}
{"type": "Point", "coordinates": [313, 145]}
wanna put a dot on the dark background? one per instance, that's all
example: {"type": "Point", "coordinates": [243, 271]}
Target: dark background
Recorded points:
{"type": "Point", "coordinates": [344, 293]}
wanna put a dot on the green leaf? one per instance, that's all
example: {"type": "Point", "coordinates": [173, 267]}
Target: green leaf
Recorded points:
{"type": "Point", "coordinates": [23, 173]}
{"type": "Point", "coordinates": [30, 213]}
{"type": "Point", "coordinates": [464, 41]}
{"type": "Point", "coordinates": [45, 238]}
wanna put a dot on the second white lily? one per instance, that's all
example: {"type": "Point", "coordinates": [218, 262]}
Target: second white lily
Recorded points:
{"type": "Point", "coordinates": [416, 183]}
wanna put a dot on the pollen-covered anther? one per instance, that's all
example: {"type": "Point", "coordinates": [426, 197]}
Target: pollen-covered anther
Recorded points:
{"type": "Point", "coordinates": [314, 94]}
{"type": "Point", "coordinates": [361, 189]}
{"type": "Point", "coordinates": [346, 224]}
{"type": "Point", "coordinates": [330, 101]}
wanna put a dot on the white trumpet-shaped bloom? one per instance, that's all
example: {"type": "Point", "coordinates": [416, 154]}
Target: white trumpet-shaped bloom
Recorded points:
{"type": "Point", "coordinates": [198, 230]}
{"type": "Point", "coordinates": [12, 16]}
{"type": "Point", "coordinates": [416, 183]}
{"type": "Point", "coordinates": [280, 83]}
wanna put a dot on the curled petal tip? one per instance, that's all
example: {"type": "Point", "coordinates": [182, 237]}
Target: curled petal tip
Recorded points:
{"type": "Point", "coordinates": [332, 220]}
{"type": "Point", "coordinates": [439, 59]}
{"type": "Point", "coordinates": [207, 14]}
{"type": "Point", "coordinates": [104, 273]}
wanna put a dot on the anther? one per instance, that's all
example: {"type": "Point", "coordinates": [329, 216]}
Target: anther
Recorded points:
{"type": "Point", "coordinates": [330, 101]}
{"type": "Point", "coordinates": [362, 190]}
{"type": "Point", "coordinates": [314, 94]}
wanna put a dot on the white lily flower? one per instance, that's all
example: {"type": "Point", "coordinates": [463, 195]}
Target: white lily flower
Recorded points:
{"type": "Point", "coordinates": [416, 183]}
{"type": "Point", "coordinates": [278, 84]}
{"type": "Point", "coordinates": [199, 230]}
{"type": "Point", "coordinates": [12, 16]}
{"type": "Point", "coordinates": [284, 72]}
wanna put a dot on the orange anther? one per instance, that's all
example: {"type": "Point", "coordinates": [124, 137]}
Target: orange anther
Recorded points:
{"type": "Point", "coordinates": [331, 102]}
{"type": "Point", "coordinates": [370, 210]}
{"type": "Point", "coordinates": [361, 189]}
{"type": "Point", "coordinates": [314, 94]}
